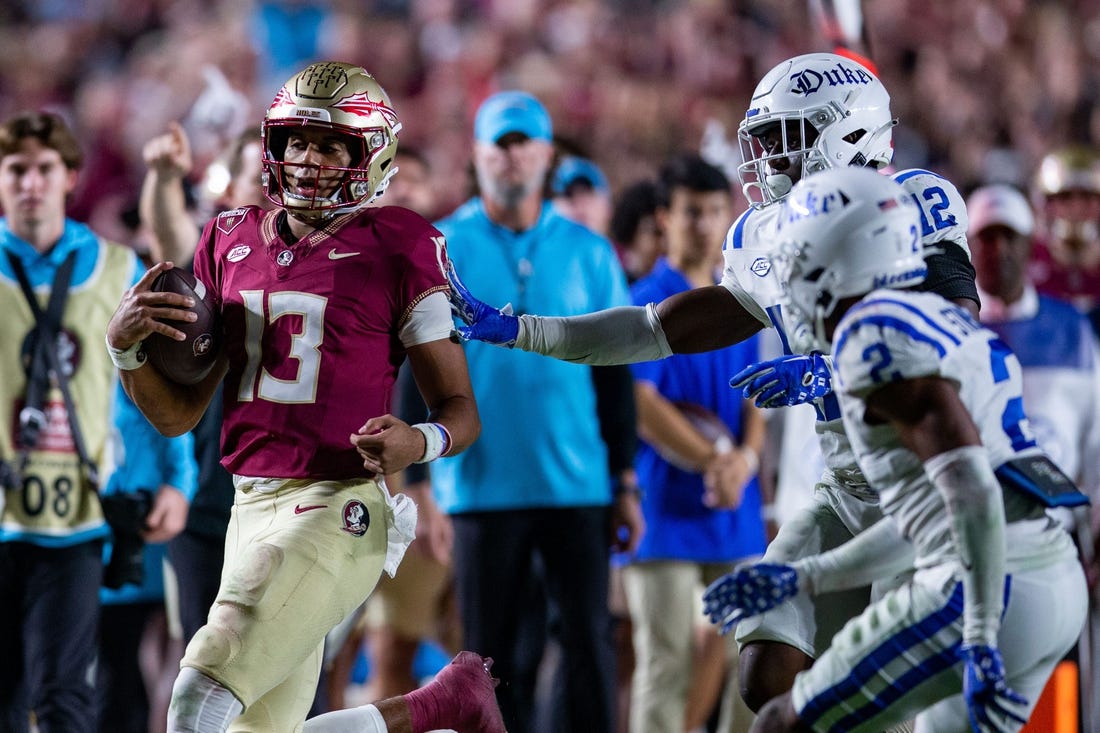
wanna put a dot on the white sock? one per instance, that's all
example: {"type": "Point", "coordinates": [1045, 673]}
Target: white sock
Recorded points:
{"type": "Point", "coordinates": [364, 719]}
{"type": "Point", "coordinates": [200, 705]}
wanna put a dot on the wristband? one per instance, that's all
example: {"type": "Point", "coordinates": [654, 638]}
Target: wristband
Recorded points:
{"type": "Point", "coordinates": [436, 440]}
{"type": "Point", "coordinates": [620, 487]}
{"type": "Point", "coordinates": [769, 512]}
{"type": "Point", "coordinates": [128, 359]}
{"type": "Point", "coordinates": [446, 437]}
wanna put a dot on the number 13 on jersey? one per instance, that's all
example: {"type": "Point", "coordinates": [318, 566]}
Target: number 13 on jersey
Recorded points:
{"type": "Point", "coordinates": [256, 381]}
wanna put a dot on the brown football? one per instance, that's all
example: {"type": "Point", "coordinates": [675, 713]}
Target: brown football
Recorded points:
{"type": "Point", "coordinates": [707, 422]}
{"type": "Point", "coordinates": [190, 360]}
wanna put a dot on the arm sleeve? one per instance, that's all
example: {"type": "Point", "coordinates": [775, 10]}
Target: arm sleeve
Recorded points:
{"type": "Point", "coordinates": [876, 553]}
{"type": "Point", "coordinates": [617, 415]}
{"type": "Point", "coordinates": [951, 274]}
{"type": "Point", "coordinates": [621, 335]}
{"type": "Point", "coordinates": [976, 511]}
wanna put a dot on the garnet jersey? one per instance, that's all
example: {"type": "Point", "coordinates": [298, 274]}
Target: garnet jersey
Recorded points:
{"type": "Point", "coordinates": [748, 276]}
{"type": "Point", "coordinates": [311, 331]}
{"type": "Point", "coordinates": [1078, 285]}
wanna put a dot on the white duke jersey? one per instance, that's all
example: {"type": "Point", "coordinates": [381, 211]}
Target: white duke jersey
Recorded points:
{"type": "Point", "coordinates": [748, 276]}
{"type": "Point", "coordinates": [892, 336]}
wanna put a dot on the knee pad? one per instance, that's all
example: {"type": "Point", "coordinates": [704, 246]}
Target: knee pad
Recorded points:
{"type": "Point", "coordinates": [252, 574]}
{"type": "Point", "coordinates": [219, 640]}
{"type": "Point", "coordinates": [200, 705]}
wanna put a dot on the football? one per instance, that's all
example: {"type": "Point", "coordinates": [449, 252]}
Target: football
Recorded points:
{"type": "Point", "coordinates": [190, 360]}
{"type": "Point", "coordinates": [709, 425]}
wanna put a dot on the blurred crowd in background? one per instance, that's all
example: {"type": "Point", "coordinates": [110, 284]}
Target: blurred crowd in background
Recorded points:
{"type": "Point", "coordinates": [982, 89]}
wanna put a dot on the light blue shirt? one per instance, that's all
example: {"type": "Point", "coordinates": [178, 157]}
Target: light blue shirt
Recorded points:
{"type": "Point", "coordinates": [540, 443]}
{"type": "Point", "coordinates": [41, 267]}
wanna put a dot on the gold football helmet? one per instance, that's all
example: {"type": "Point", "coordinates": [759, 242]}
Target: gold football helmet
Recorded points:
{"type": "Point", "coordinates": [1067, 186]}
{"type": "Point", "coordinates": [349, 101]}
{"type": "Point", "coordinates": [1075, 168]}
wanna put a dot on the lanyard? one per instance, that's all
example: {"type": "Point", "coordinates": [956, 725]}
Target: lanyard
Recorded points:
{"type": "Point", "coordinates": [518, 249]}
{"type": "Point", "coordinates": [44, 361]}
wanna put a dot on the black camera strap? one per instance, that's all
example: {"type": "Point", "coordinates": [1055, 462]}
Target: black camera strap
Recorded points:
{"type": "Point", "coordinates": [45, 360]}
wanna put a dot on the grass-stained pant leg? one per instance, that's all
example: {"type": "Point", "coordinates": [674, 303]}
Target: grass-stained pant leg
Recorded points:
{"type": "Point", "coordinates": [299, 557]}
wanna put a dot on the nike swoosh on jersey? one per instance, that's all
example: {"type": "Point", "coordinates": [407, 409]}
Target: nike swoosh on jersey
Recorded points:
{"type": "Point", "coordinates": [334, 255]}
{"type": "Point", "coordinates": [299, 509]}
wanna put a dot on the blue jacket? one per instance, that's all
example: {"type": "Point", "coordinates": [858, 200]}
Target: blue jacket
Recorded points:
{"type": "Point", "coordinates": [678, 525]}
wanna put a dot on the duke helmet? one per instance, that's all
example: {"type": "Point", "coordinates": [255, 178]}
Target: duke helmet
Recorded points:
{"type": "Point", "coordinates": [843, 233]}
{"type": "Point", "coordinates": [818, 110]}
{"type": "Point", "coordinates": [347, 100]}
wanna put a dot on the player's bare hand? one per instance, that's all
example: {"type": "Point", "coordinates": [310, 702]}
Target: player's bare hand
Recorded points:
{"type": "Point", "coordinates": [627, 520]}
{"type": "Point", "coordinates": [434, 533]}
{"type": "Point", "coordinates": [170, 153]}
{"type": "Point", "coordinates": [141, 309]}
{"type": "Point", "coordinates": [724, 480]}
{"type": "Point", "coordinates": [387, 444]}
{"type": "Point", "coordinates": [167, 517]}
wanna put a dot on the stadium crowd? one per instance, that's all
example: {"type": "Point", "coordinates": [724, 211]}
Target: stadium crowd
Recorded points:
{"type": "Point", "coordinates": [982, 90]}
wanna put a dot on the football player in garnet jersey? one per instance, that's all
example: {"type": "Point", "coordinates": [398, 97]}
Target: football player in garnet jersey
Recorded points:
{"type": "Point", "coordinates": [321, 299]}
{"type": "Point", "coordinates": [810, 113]}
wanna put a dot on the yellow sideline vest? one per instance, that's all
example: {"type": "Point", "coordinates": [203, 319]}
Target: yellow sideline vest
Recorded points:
{"type": "Point", "coordinates": [56, 502]}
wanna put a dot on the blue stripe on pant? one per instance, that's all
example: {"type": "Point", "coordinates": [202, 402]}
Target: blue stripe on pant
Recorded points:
{"type": "Point", "coordinates": [892, 648]}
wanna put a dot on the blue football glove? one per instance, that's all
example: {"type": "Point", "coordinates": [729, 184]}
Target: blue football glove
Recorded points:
{"type": "Point", "coordinates": [484, 322]}
{"type": "Point", "coordinates": [786, 381]}
{"type": "Point", "coordinates": [748, 591]}
{"type": "Point", "coordinates": [990, 702]}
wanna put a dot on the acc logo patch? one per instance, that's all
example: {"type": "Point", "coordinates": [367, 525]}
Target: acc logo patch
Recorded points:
{"type": "Point", "coordinates": [238, 253]}
{"type": "Point", "coordinates": [356, 518]}
{"type": "Point", "coordinates": [761, 266]}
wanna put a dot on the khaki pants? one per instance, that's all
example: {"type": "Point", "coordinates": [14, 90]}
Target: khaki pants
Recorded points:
{"type": "Point", "coordinates": [665, 602]}
{"type": "Point", "coordinates": [299, 557]}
